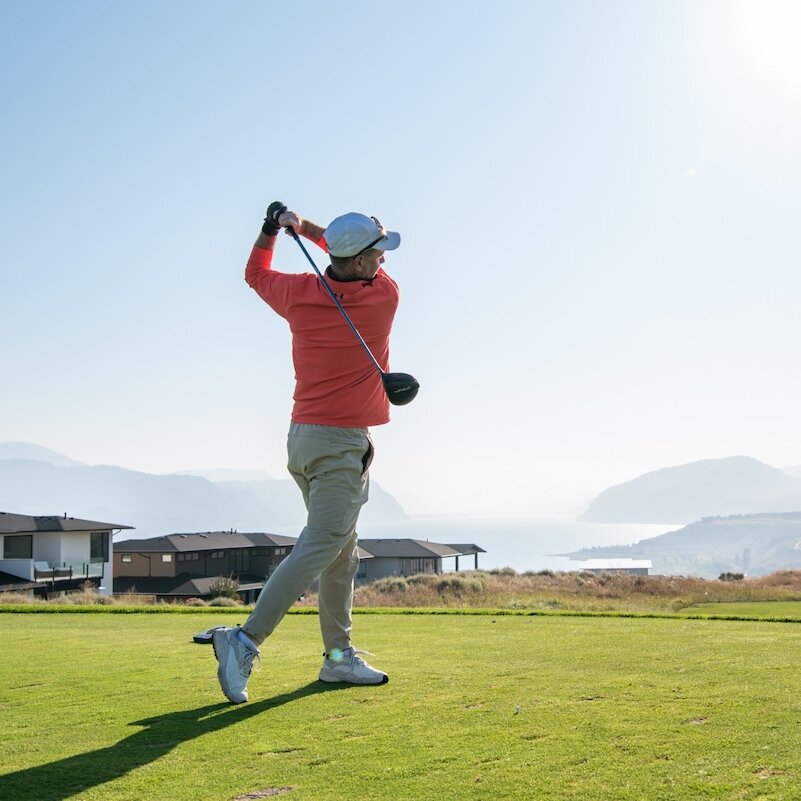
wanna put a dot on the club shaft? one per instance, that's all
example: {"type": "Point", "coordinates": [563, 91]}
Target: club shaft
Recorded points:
{"type": "Point", "coordinates": [353, 328]}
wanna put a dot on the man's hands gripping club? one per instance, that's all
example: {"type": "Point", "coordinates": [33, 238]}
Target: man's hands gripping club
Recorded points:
{"type": "Point", "coordinates": [278, 217]}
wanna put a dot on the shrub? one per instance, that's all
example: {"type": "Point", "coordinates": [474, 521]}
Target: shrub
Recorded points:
{"type": "Point", "coordinates": [459, 584]}
{"type": "Point", "coordinates": [225, 587]}
{"type": "Point", "coordinates": [424, 579]}
{"type": "Point", "coordinates": [194, 602]}
{"type": "Point", "coordinates": [17, 598]}
{"type": "Point", "coordinates": [783, 578]}
{"type": "Point", "coordinates": [222, 600]}
{"type": "Point", "coordinates": [731, 577]}
{"type": "Point", "coordinates": [83, 599]}
{"type": "Point", "coordinates": [102, 600]}
{"type": "Point", "coordinates": [134, 599]}
{"type": "Point", "coordinates": [551, 603]}
{"type": "Point", "coordinates": [391, 584]}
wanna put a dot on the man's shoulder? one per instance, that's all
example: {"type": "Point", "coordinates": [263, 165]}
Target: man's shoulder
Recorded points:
{"type": "Point", "coordinates": [388, 281]}
{"type": "Point", "coordinates": [297, 281]}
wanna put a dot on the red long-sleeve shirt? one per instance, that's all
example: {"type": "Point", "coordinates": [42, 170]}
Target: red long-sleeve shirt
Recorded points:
{"type": "Point", "coordinates": [336, 384]}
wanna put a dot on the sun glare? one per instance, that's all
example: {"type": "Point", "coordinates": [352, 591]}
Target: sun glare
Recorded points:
{"type": "Point", "coordinates": [770, 34]}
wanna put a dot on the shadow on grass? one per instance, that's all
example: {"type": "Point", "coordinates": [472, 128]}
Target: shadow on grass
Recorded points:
{"type": "Point", "coordinates": [66, 777]}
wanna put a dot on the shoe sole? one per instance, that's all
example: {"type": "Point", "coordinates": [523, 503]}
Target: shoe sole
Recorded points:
{"type": "Point", "coordinates": [334, 679]}
{"type": "Point", "coordinates": [206, 637]}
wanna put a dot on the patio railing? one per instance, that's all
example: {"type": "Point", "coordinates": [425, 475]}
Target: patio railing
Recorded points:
{"type": "Point", "coordinates": [66, 571]}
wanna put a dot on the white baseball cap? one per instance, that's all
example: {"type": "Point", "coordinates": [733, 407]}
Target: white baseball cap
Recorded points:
{"type": "Point", "coordinates": [354, 233]}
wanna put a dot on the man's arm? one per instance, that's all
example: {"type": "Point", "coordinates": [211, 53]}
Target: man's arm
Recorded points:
{"type": "Point", "coordinates": [273, 286]}
{"type": "Point", "coordinates": [261, 262]}
{"type": "Point", "coordinates": [306, 228]}
{"type": "Point", "coordinates": [288, 219]}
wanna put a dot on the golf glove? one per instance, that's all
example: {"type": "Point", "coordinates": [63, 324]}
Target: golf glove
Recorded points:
{"type": "Point", "coordinates": [274, 211]}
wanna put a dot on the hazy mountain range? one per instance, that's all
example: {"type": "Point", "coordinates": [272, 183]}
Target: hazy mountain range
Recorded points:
{"type": "Point", "coordinates": [731, 486]}
{"type": "Point", "coordinates": [37, 481]}
{"type": "Point", "coordinates": [744, 516]}
{"type": "Point", "coordinates": [751, 544]}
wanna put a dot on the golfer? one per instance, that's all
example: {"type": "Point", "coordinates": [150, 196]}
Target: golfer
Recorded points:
{"type": "Point", "coordinates": [338, 396]}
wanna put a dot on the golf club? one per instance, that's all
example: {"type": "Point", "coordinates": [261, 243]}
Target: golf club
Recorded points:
{"type": "Point", "coordinates": [401, 388]}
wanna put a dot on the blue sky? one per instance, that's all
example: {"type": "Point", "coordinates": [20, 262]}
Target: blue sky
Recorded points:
{"type": "Point", "coordinates": [598, 204]}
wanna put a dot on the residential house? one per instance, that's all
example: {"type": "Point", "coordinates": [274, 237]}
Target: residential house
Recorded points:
{"type": "Point", "coordinates": [179, 566]}
{"type": "Point", "coordinates": [43, 555]}
{"type": "Point", "coordinates": [636, 567]}
{"type": "Point", "coordinates": [405, 557]}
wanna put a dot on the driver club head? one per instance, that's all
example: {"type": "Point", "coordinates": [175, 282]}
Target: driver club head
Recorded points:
{"type": "Point", "coordinates": [401, 388]}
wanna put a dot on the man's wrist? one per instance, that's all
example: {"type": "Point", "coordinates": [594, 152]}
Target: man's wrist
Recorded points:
{"type": "Point", "coordinates": [311, 231]}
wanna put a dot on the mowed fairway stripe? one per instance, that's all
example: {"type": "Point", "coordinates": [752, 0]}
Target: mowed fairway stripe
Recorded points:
{"type": "Point", "coordinates": [126, 707]}
{"type": "Point", "coordinates": [790, 610]}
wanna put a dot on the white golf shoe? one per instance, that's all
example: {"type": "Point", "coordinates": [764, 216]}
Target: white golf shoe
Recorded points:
{"type": "Point", "coordinates": [348, 667]}
{"type": "Point", "coordinates": [235, 660]}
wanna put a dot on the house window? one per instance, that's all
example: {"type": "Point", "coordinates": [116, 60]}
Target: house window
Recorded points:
{"type": "Point", "coordinates": [126, 557]}
{"type": "Point", "coordinates": [166, 557]}
{"type": "Point", "coordinates": [18, 546]}
{"type": "Point", "coordinates": [410, 567]}
{"type": "Point", "coordinates": [280, 551]}
{"type": "Point", "coordinates": [99, 547]}
{"type": "Point", "coordinates": [217, 554]}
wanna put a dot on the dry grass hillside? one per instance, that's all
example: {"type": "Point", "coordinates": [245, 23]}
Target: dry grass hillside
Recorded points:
{"type": "Point", "coordinates": [505, 589]}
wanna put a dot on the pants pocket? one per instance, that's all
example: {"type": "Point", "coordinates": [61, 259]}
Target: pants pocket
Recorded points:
{"type": "Point", "coordinates": [367, 458]}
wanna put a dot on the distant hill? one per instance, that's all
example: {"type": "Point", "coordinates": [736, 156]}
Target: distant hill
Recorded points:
{"type": "Point", "coordinates": [162, 504]}
{"type": "Point", "coordinates": [795, 470]}
{"type": "Point", "coordinates": [752, 544]}
{"type": "Point", "coordinates": [223, 474]}
{"type": "Point", "coordinates": [734, 485]}
{"type": "Point", "coordinates": [27, 450]}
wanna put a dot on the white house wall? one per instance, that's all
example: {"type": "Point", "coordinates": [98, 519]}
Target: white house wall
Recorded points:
{"type": "Point", "coordinates": [107, 584]}
{"type": "Point", "coordinates": [23, 568]}
{"type": "Point", "coordinates": [76, 546]}
{"type": "Point", "coordinates": [47, 547]}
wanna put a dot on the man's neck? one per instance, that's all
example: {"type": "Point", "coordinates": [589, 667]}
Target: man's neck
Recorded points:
{"type": "Point", "coordinates": [343, 277]}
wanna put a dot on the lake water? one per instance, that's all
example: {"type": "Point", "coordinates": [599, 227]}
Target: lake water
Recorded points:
{"type": "Point", "coordinates": [522, 543]}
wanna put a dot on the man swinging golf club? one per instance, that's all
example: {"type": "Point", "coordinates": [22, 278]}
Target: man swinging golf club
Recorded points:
{"type": "Point", "coordinates": [339, 394]}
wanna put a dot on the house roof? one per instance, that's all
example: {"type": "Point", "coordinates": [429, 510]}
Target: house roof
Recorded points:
{"type": "Point", "coordinates": [362, 553]}
{"type": "Point", "coordinates": [466, 549]}
{"type": "Point", "coordinates": [203, 541]}
{"type": "Point", "coordinates": [183, 584]}
{"type": "Point", "coordinates": [25, 524]}
{"type": "Point", "coordinates": [220, 540]}
{"type": "Point", "coordinates": [411, 549]}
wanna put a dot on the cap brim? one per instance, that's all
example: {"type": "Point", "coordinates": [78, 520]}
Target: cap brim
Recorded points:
{"type": "Point", "coordinates": [390, 243]}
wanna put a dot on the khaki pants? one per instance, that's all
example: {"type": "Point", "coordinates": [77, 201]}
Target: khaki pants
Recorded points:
{"type": "Point", "coordinates": [330, 465]}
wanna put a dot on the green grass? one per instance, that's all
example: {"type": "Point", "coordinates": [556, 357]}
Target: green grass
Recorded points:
{"type": "Point", "coordinates": [789, 610]}
{"type": "Point", "coordinates": [124, 707]}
